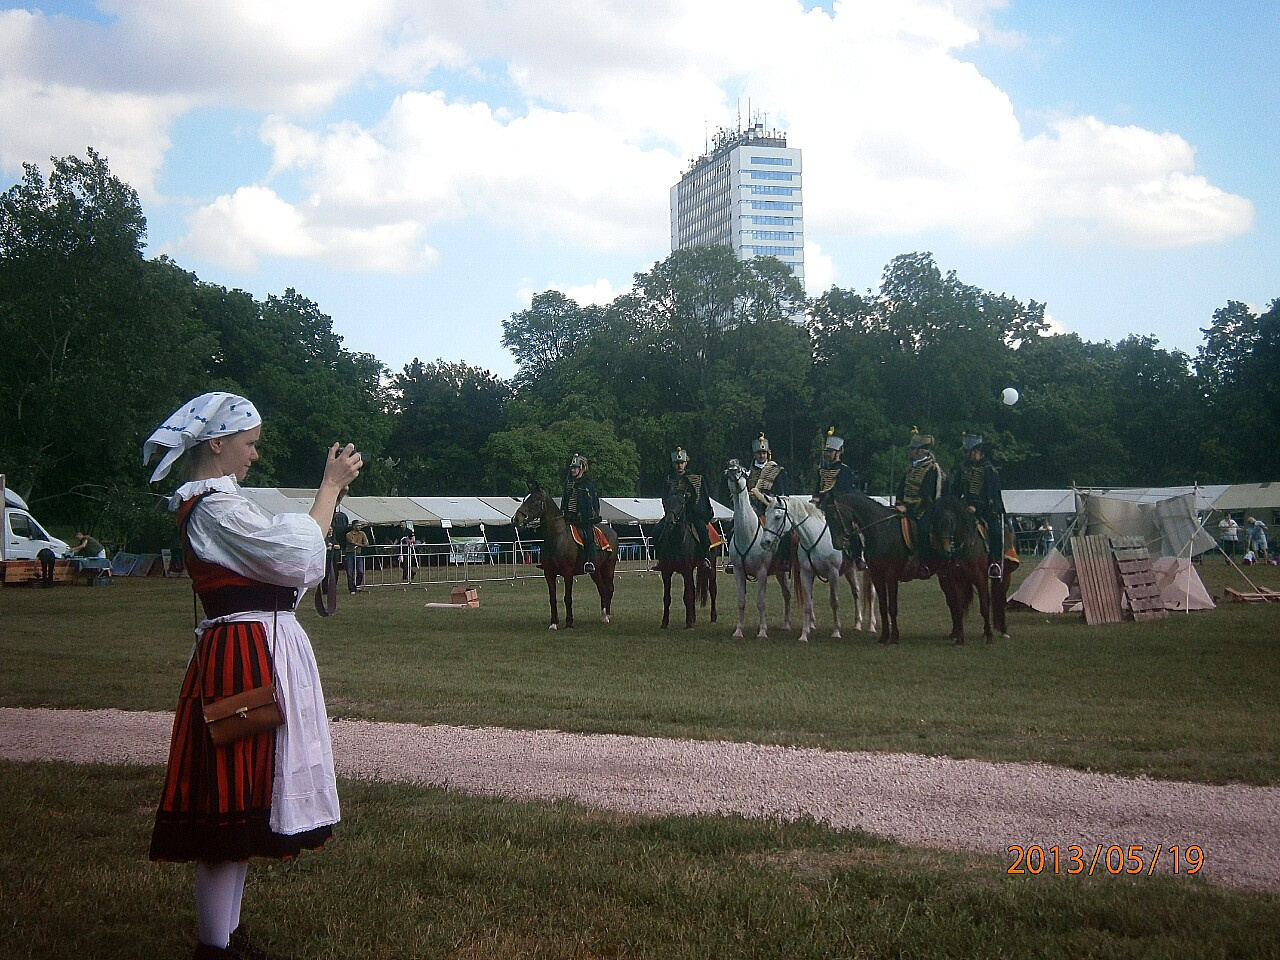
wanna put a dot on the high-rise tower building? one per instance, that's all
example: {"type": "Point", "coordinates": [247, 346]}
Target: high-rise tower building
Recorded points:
{"type": "Point", "coordinates": [745, 192]}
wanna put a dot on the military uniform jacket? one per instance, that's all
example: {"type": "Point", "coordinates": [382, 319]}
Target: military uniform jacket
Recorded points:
{"type": "Point", "coordinates": [580, 503]}
{"type": "Point", "coordinates": [835, 478]}
{"type": "Point", "coordinates": [978, 485]}
{"type": "Point", "coordinates": [922, 485]}
{"type": "Point", "coordinates": [769, 479]}
{"type": "Point", "coordinates": [698, 498]}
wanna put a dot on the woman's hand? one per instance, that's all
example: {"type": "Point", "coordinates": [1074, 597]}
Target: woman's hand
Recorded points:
{"type": "Point", "coordinates": [342, 466]}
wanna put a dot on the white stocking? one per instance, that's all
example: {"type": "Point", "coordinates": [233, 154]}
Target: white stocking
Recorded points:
{"type": "Point", "coordinates": [235, 906]}
{"type": "Point", "coordinates": [218, 890]}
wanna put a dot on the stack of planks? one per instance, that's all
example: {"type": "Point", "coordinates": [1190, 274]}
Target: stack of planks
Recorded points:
{"type": "Point", "coordinates": [1099, 584]}
{"type": "Point", "coordinates": [1111, 571]}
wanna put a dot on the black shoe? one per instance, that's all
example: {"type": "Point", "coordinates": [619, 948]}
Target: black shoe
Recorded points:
{"type": "Point", "coordinates": [242, 948]}
{"type": "Point", "coordinates": [728, 567]}
{"type": "Point", "coordinates": [206, 952]}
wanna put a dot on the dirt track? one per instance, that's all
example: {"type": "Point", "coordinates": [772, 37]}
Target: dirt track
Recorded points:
{"type": "Point", "coordinates": [923, 801]}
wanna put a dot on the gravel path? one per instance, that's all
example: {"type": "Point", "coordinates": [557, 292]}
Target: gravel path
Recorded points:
{"type": "Point", "coordinates": [922, 801]}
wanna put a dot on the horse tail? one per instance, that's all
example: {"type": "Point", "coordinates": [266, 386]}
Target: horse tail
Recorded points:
{"type": "Point", "coordinates": [704, 583]}
{"type": "Point", "coordinates": [797, 584]}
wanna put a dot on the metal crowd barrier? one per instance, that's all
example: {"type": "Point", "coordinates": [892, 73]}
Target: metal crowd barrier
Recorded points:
{"type": "Point", "coordinates": [422, 564]}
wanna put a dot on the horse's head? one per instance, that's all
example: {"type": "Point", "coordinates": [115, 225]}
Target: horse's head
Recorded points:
{"type": "Point", "coordinates": [735, 475]}
{"type": "Point", "coordinates": [778, 522]}
{"type": "Point", "coordinates": [949, 525]}
{"type": "Point", "coordinates": [673, 506]}
{"type": "Point", "coordinates": [534, 508]}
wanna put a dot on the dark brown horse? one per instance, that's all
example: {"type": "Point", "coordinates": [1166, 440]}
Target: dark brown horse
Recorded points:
{"type": "Point", "coordinates": [962, 567]}
{"type": "Point", "coordinates": [890, 559]}
{"type": "Point", "coordinates": [678, 552]}
{"type": "Point", "coordinates": [562, 557]}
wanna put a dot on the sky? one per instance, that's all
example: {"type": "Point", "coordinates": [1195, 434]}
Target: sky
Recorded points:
{"type": "Point", "coordinates": [421, 168]}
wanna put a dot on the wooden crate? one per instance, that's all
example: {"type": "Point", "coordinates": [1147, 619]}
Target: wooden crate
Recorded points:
{"type": "Point", "coordinates": [462, 594]}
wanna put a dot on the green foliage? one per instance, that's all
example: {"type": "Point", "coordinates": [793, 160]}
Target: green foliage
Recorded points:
{"type": "Point", "coordinates": [93, 336]}
{"type": "Point", "coordinates": [444, 413]}
{"type": "Point", "coordinates": [1238, 368]}
{"type": "Point", "coordinates": [541, 454]}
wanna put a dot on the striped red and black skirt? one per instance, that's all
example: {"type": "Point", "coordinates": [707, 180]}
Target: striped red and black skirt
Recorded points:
{"type": "Point", "coordinates": [216, 804]}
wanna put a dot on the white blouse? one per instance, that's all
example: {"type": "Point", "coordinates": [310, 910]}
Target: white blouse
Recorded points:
{"type": "Point", "coordinates": [228, 529]}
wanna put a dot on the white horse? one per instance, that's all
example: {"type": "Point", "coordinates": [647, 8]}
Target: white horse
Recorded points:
{"type": "Point", "coordinates": [749, 557]}
{"type": "Point", "coordinates": [818, 557]}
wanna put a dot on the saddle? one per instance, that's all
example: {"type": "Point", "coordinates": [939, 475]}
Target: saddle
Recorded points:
{"type": "Point", "coordinates": [601, 540]}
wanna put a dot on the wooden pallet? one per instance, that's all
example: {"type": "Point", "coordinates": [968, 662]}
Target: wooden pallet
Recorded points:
{"type": "Point", "coordinates": [1263, 595]}
{"type": "Point", "coordinates": [1100, 588]}
{"type": "Point", "coordinates": [1140, 582]}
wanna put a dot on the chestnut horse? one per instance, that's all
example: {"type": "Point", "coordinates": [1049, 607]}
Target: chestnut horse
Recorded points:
{"type": "Point", "coordinates": [561, 555]}
{"type": "Point", "coordinates": [678, 551]}
{"type": "Point", "coordinates": [964, 569]}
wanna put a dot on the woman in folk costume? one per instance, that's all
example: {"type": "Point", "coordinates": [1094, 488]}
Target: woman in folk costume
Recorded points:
{"type": "Point", "coordinates": [270, 794]}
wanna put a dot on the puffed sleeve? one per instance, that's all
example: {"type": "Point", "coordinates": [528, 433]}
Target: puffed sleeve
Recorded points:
{"type": "Point", "coordinates": [287, 550]}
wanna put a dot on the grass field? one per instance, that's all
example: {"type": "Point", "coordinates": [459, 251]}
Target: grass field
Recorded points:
{"type": "Point", "coordinates": [424, 873]}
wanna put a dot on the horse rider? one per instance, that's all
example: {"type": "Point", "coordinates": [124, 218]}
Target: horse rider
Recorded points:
{"type": "Point", "coordinates": [697, 500]}
{"type": "Point", "coordinates": [921, 487]}
{"type": "Point", "coordinates": [978, 485]}
{"type": "Point", "coordinates": [767, 479]}
{"type": "Point", "coordinates": [834, 478]}
{"type": "Point", "coordinates": [581, 508]}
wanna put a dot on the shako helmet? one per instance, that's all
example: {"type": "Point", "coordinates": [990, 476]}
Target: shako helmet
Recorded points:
{"type": "Point", "coordinates": [970, 441]}
{"type": "Point", "coordinates": [679, 455]}
{"type": "Point", "coordinates": [919, 441]}
{"type": "Point", "coordinates": [760, 444]}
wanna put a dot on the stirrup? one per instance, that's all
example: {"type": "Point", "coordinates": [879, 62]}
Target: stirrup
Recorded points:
{"type": "Point", "coordinates": [995, 572]}
{"type": "Point", "coordinates": [588, 567]}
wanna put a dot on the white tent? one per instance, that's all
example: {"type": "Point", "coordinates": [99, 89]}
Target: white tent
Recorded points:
{"type": "Point", "coordinates": [1170, 529]}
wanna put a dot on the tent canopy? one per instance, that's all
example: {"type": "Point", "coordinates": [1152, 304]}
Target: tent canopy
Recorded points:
{"type": "Point", "coordinates": [459, 511]}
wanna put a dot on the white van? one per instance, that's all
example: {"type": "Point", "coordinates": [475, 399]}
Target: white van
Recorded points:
{"type": "Point", "coordinates": [23, 536]}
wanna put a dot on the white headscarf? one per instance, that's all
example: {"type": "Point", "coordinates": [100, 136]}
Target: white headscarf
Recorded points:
{"type": "Point", "coordinates": [208, 416]}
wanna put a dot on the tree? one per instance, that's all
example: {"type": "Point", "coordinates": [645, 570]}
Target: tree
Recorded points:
{"type": "Point", "coordinates": [444, 414]}
{"type": "Point", "coordinates": [1238, 370]}
{"type": "Point", "coordinates": [93, 338]}
{"type": "Point", "coordinates": [513, 457]}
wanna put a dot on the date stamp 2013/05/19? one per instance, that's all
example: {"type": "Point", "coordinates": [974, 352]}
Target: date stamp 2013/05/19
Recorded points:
{"type": "Point", "coordinates": [1132, 859]}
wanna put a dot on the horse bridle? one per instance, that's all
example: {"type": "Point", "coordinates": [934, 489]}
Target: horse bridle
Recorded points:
{"type": "Point", "coordinates": [795, 525]}
{"type": "Point", "coordinates": [741, 475]}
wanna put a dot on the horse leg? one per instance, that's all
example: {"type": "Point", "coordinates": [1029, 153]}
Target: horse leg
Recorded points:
{"type": "Point", "coordinates": [604, 586]}
{"type": "Point", "coordinates": [690, 598]}
{"type": "Point", "coordinates": [891, 619]}
{"type": "Point", "coordinates": [762, 583]}
{"type": "Point", "coordinates": [984, 606]}
{"type": "Point", "coordinates": [786, 598]}
{"type": "Point", "coordinates": [666, 596]}
{"type": "Point", "coordinates": [833, 581]}
{"type": "Point", "coordinates": [805, 588]}
{"type": "Point", "coordinates": [551, 592]}
{"type": "Point", "coordinates": [866, 594]}
{"type": "Point", "coordinates": [740, 576]}
{"type": "Point", "coordinates": [999, 603]}
{"type": "Point", "coordinates": [568, 601]}
{"type": "Point", "coordinates": [707, 588]}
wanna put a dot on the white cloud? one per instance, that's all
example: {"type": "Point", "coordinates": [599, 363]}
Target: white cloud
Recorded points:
{"type": "Point", "coordinates": [568, 120]}
{"type": "Point", "coordinates": [819, 270]}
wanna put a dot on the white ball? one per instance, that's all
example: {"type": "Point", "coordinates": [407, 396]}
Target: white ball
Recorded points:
{"type": "Point", "coordinates": [1009, 395]}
